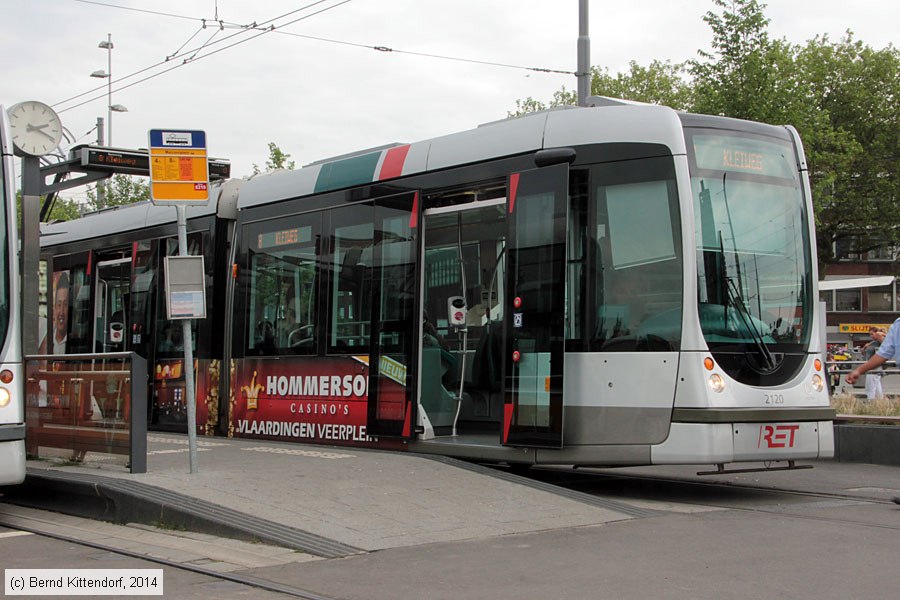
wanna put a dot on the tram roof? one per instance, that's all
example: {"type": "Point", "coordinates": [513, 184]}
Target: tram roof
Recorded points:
{"type": "Point", "coordinates": [131, 217]}
{"type": "Point", "coordinates": [608, 121]}
{"type": "Point", "coordinates": [612, 121]}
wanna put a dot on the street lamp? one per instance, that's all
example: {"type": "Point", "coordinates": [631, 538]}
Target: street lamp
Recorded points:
{"type": "Point", "coordinates": [101, 74]}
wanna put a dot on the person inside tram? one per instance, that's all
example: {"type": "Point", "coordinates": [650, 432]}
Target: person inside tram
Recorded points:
{"type": "Point", "coordinates": [265, 337]}
{"type": "Point", "coordinates": [171, 341]}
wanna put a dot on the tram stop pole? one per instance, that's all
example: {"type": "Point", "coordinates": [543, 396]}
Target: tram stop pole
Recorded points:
{"type": "Point", "coordinates": [188, 353]}
{"type": "Point", "coordinates": [179, 177]}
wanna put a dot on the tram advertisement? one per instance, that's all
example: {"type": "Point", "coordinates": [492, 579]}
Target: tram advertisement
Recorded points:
{"type": "Point", "coordinates": [170, 398]}
{"type": "Point", "coordinates": [300, 399]}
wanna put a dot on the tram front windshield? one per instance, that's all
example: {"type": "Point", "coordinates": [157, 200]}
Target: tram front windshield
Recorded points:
{"type": "Point", "coordinates": [753, 258]}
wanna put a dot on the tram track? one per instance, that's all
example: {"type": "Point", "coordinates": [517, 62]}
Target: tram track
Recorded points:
{"type": "Point", "coordinates": [243, 579]}
{"type": "Point", "coordinates": [588, 482]}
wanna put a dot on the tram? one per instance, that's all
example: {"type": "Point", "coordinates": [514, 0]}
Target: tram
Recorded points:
{"type": "Point", "coordinates": [615, 285]}
{"type": "Point", "coordinates": [12, 395]}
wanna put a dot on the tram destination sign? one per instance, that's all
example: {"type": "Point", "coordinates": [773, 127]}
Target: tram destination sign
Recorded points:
{"type": "Point", "coordinates": [134, 162]}
{"type": "Point", "coordinates": [179, 173]}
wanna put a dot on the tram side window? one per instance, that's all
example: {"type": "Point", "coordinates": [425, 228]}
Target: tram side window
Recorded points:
{"type": "Point", "coordinates": [142, 296]}
{"type": "Point", "coordinates": [352, 233]}
{"type": "Point", "coordinates": [638, 263]}
{"type": "Point", "coordinates": [283, 286]}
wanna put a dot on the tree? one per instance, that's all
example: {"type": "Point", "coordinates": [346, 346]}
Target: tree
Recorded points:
{"type": "Point", "coordinates": [747, 75]}
{"type": "Point", "coordinates": [119, 190]}
{"type": "Point", "coordinates": [852, 138]}
{"type": "Point", "coordinates": [277, 160]}
{"type": "Point", "coordinates": [64, 209]}
{"type": "Point", "coordinates": [658, 83]}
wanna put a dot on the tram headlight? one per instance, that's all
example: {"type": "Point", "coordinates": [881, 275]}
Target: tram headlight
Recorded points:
{"type": "Point", "coordinates": [716, 383]}
{"type": "Point", "coordinates": [818, 383]}
{"type": "Point", "coordinates": [4, 397]}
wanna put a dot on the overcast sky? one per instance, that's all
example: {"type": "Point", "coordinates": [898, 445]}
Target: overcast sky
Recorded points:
{"type": "Point", "coordinates": [317, 99]}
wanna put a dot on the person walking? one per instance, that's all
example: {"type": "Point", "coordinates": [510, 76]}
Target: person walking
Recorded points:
{"type": "Point", "coordinates": [873, 379]}
{"type": "Point", "coordinates": [889, 349]}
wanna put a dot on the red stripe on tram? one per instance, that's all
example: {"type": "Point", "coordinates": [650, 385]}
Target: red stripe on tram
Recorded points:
{"type": "Point", "coordinates": [513, 188]}
{"type": "Point", "coordinates": [507, 420]}
{"type": "Point", "coordinates": [393, 163]}
{"type": "Point", "coordinates": [414, 215]}
{"type": "Point", "coordinates": [407, 425]}
{"type": "Point", "coordinates": [90, 261]}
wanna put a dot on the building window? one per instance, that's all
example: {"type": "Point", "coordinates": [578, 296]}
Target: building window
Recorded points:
{"type": "Point", "coordinates": [886, 252]}
{"type": "Point", "coordinates": [828, 299]}
{"type": "Point", "coordinates": [848, 300]}
{"type": "Point", "coordinates": [882, 299]}
{"type": "Point", "coordinates": [847, 249]}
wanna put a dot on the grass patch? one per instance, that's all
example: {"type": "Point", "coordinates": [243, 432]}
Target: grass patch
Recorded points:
{"type": "Point", "coordinates": [848, 404]}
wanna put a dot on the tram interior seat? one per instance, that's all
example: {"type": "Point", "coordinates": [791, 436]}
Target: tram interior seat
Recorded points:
{"type": "Point", "coordinates": [302, 337]}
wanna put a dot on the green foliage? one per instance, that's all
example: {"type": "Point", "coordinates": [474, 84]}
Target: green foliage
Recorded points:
{"type": "Point", "coordinates": [118, 190]}
{"type": "Point", "coordinates": [658, 83]}
{"type": "Point", "coordinates": [853, 140]}
{"type": "Point", "coordinates": [63, 209]}
{"type": "Point", "coordinates": [277, 160]}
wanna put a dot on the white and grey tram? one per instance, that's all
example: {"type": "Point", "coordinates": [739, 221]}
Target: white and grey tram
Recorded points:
{"type": "Point", "coordinates": [615, 285]}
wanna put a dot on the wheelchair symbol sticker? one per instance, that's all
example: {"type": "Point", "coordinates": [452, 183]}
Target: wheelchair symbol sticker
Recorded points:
{"type": "Point", "coordinates": [517, 319]}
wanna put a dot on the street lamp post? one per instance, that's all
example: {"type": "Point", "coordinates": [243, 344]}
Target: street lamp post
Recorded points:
{"type": "Point", "coordinates": [107, 45]}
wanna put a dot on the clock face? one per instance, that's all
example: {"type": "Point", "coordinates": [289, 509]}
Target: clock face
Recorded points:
{"type": "Point", "coordinates": [35, 128]}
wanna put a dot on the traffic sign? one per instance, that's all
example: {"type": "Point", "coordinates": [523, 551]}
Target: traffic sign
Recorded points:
{"type": "Point", "coordinates": [179, 172]}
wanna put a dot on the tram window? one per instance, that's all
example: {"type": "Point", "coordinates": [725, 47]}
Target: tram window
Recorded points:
{"type": "Point", "coordinates": [283, 286]}
{"type": "Point", "coordinates": [352, 234]}
{"type": "Point", "coordinates": [142, 296]}
{"type": "Point", "coordinates": [80, 323]}
{"type": "Point", "coordinates": [577, 248]}
{"type": "Point", "coordinates": [637, 264]}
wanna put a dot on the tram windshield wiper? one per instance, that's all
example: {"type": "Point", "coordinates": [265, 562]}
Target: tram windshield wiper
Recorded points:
{"type": "Point", "coordinates": [734, 297]}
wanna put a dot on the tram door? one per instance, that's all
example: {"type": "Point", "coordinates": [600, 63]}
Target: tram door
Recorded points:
{"type": "Point", "coordinates": [111, 297]}
{"type": "Point", "coordinates": [462, 316]}
{"type": "Point", "coordinates": [393, 326]}
{"type": "Point", "coordinates": [535, 312]}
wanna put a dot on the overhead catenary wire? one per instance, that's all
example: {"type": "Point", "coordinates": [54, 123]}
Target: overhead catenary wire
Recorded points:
{"type": "Point", "coordinates": [263, 28]}
{"type": "Point", "coordinates": [244, 29]}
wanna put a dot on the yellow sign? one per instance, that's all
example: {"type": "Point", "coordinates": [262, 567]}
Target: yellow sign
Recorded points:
{"type": "Point", "coordinates": [179, 173]}
{"type": "Point", "coordinates": [860, 327]}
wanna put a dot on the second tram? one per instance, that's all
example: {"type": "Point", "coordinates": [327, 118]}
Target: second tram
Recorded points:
{"type": "Point", "coordinates": [12, 396]}
{"type": "Point", "coordinates": [615, 285]}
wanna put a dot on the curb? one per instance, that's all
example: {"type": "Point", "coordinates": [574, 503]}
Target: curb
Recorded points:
{"type": "Point", "coordinates": [121, 501]}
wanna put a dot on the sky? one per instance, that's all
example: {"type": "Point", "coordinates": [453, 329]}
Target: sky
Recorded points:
{"type": "Point", "coordinates": [317, 99]}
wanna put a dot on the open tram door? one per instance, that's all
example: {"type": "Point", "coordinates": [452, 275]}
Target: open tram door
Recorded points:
{"type": "Point", "coordinates": [393, 325]}
{"type": "Point", "coordinates": [534, 318]}
{"type": "Point", "coordinates": [111, 298]}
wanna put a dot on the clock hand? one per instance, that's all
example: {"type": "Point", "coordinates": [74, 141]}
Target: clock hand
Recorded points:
{"type": "Point", "coordinates": [52, 139]}
{"type": "Point", "coordinates": [29, 127]}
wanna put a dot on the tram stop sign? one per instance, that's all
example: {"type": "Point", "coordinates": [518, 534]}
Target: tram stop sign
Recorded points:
{"type": "Point", "coordinates": [179, 172]}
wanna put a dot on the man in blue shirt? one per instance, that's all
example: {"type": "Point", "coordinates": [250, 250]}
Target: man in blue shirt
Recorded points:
{"type": "Point", "coordinates": [889, 350]}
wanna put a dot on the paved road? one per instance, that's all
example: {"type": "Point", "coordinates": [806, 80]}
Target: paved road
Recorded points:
{"type": "Point", "coordinates": [28, 551]}
{"type": "Point", "coordinates": [839, 541]}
